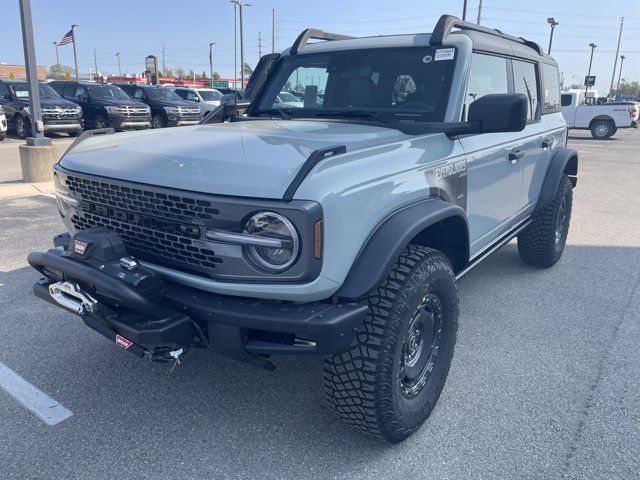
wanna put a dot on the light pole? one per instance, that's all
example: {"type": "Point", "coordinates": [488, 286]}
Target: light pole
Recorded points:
{"type": "Point", "coordinates": [464, 10]}
{"type": "Point", "coordinates": [552, 23]}
{"type": "Point", "coordinates": [119, 69]}
{"type": "Point", "coordinates": [620, 74]}
{"type": "Point", "coordinates": [241, 6]}
{"type": "Point", "coordinates": [211, 63]}
{"type": "Point", "coordinates": [57, 57]}
{"type": "Point", "coordinates": [615, 63]}
{"type": "Point", "coordinates": [586, 87]}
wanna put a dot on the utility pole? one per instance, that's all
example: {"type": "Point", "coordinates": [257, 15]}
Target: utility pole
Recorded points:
{"type": "Point", "coordinates": [36, 136]}
{"type": "Point", "coordinates": [552, 23]}
{"type": "Point", "coordinates": [586, 88]}
{"type": "Point", "coordinates": [235, 43]}
{"type": "Point", "coordinates": [273, 30]}
{"type": "Point", "coordinates": [241, 7]}
{"type": "Point", "coordinates": [75, 53]}
{"type": "Point", "coordinates": [479, 12]}
{"type": "Point", "coordinates": [620, 74]}
{"type": "Point", "coordinates": [464, 10]}
{"type": "Point", "coordinates": [163, 59]}
{"type": "Point", "coordinates": [259, 45]}
{"type": "Point", "coordinates": [211, 44]}
{"type": "Point", "coordinates": [95, 61]}
{"type": "Point", "coordinates": [119, 69]}
{"type": "Point", "coordinates": [57, 57]}
{"type": "Point", "coordinates": [615, 62]}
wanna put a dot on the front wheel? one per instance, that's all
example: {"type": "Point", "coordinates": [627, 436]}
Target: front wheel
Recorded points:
{"type": "Point", "coordinates": [602, 129]}
{"type": "Point", "coordinates": [391, 378]}
{"type": "Point", "coordinates": [542, 242]}
{"type": "Point", "coordinates": [158, 121]}
{"type": "Point", "coordinates": [22, 126]}
{"type": "Point", "coordinates": [2, 136]}
{"type": "Point", "coordinates": [100, 121]}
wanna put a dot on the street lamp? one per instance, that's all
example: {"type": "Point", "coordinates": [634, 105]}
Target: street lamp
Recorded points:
{"type": "Point", "coordinates": [57, 57]}
{"type": "Point", "coordinates": [586, 88]}
{"type": "Point", "coordinates": [552, 23]}
{"type": "Point", "coordinates": [119, 69]}
{"type": "Point", "coordinates": [241, 5]}
{"type": "Point", "coordinates": [620, 74]}
{"type": "Point", "coordinates": [211, 63]}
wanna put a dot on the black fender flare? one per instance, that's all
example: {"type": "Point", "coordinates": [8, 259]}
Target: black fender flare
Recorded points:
{"type": "Point", "coordinates": [385, 244]}
{"type": "Point", "coordinates": [564, 160]}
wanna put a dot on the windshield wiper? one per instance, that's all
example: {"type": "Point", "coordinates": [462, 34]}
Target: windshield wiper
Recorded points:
{"type": "Point", "coordinates": [377, 116]}
{"type": "Point", "coordinates": [270, 111]}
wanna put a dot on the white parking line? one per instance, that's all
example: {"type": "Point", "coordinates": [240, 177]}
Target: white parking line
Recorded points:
{"type": "Point", "coordinates": [45, 407]}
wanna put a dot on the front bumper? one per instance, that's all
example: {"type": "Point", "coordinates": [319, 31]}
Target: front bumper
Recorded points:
{"type": "Point", "coordinates": [185, 317]}
{"type": "Point", "coordinates": [130, 123]}
{"type": "Point", "coordinates": [178, 121]}
{"type": "Point", "coordinates": [63, 125]}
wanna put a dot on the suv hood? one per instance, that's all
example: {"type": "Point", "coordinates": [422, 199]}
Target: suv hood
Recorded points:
{"type": "Point", "coordinates": [250, 159]}
{"type": "Point", "coordinates": [117, 102]}
{"type": "Point", "coordinates": [49, 102]}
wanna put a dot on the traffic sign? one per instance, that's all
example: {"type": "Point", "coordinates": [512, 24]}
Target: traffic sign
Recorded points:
{"type": "Point", "coordinates": [219, 84]}
{"type": "Point", "coordinates": [589, 81]}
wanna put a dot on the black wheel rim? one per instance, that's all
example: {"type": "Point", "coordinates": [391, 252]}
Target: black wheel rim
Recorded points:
{"type": "Point", "coordinates": [100, 123]}
{"type": "Point", "coordinates": [421, 346]}
{"type": "Point", "coordinates": [561, 222]}
{"type": "Point", "coordinates": [156, 122]}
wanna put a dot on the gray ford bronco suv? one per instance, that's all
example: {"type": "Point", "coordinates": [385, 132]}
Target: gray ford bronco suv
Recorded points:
{"type": "Point", "coordinates": [335, 224]}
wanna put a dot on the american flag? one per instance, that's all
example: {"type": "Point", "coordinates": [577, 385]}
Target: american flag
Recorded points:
{"type": "Point", "coordinates": [68, 38]}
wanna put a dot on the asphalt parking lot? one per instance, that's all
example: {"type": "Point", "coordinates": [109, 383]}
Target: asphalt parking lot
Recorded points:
{"type": "Point", "coordinates": [545, 382]}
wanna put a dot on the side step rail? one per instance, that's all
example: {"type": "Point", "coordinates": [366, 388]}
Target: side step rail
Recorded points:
{"type": "Point", "coordinates": [506, 238]}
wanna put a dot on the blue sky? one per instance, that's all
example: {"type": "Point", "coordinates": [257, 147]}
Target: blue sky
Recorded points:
{"type": "Point", "coordinates": [137, 28]}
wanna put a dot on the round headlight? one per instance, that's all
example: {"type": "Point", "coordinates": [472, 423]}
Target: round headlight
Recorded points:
{"type": "Point", "coordinates": [275, 226]}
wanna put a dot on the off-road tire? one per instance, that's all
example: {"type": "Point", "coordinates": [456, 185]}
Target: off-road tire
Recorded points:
{"type": "Point", "coordinates": [365, 386]}
{"type": "Point", "coordinates": [541, 243]}
{"type": "Point", "coordinates": [602, 129]}
{"type": "Point", "coordinates": [2, 136]}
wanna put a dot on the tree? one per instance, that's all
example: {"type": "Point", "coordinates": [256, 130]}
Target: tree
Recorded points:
{"type": "Point", "coordinates": [179, 72]}
{"type": "Point", "coordinates": [247, 69]}
{"type": "Point", "coordinates": [216, 75]}
{"type": "Point", "coordinates": [167, 72]}
{"type": "Point", "coordinates": [575, 86]}
{"type": "Point", "coordinates": [628, 89]}
{"type": "Point", "coordinates": [59, 72]}
{"type": "Point", "coordinates": [203, 74]}
{"type": "Point", "coordinates": [191, 73]}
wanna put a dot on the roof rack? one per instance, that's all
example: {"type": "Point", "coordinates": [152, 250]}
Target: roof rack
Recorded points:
{"type": "Point", "coordinates": [316, 34]}
{"type": "Point", "coordinates": [447, 22]}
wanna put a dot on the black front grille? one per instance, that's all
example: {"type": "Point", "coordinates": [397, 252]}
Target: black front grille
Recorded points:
{"type": "Point", "coordinates": [156, 226]}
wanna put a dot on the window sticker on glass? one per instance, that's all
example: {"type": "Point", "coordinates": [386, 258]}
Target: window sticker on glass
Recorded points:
{"type": "Point", "coordinates": [445, 54]}
{"type": "Point", "coordinates": [22, 94]}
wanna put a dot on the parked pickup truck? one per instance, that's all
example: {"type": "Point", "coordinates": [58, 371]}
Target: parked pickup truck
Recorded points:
{"type": "Point", "coordinates": [603, 120]}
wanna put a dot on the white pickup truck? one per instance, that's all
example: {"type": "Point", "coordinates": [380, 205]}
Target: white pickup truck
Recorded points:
{"type": "Point", "coordinates": [603, 120]}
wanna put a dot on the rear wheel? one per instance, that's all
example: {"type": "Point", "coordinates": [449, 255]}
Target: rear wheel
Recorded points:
{"type": "Point", "coordinates": [602, 129]}
{"type": "Point", "coordinates": [389, 381]}
{"type": "Point", "coordinates": [22, 126]}
{"type": "Point", "coordinates": [543, 241]}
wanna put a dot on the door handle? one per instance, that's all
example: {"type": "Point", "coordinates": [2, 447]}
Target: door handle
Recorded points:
{"type": "Point", "coordinates": [514, 155]}
{"type": "Point", "coordinates": [546, 143]}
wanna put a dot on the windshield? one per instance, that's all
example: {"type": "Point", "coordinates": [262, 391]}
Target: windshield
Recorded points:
{"type": "Point", "coordinates": [210, 95]}
{"type": "Point", "coordinates": [162, 93]}
{"type": "Point", "coordinates": [106, 91]}
{"type": "Point", "coordinates": [391, 84]}
{"type": "Point", "coordinates": [20, 90]}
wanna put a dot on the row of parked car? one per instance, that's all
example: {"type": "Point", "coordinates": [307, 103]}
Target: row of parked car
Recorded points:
{"type": "Point", "coordinates": [70, 107]}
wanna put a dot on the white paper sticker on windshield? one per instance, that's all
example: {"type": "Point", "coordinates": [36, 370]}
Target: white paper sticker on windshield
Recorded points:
{"type": "Point", "coordinates": [445, 54]}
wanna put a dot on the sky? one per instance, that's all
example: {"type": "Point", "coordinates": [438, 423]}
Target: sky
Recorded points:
{"type": "Point", "coordinates": [137, 28]}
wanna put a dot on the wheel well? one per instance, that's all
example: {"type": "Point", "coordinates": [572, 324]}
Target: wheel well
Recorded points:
{"type": "Point", "coordinates": [601, 117]}
{"type": "Point", "coordinates": [450, 236]}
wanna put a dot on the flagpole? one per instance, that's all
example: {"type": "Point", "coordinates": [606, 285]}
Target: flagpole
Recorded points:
{"type": "Point", "coordinates": [75, 55]}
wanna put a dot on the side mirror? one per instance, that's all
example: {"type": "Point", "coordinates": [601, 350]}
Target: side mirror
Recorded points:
{"type": "Point", "coordinates": [499, 112]}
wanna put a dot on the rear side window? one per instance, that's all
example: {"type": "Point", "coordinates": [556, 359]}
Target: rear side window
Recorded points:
{"type": "Point", "coordinates": [525, 81]}
{"type": "Point", "coordinates": [4, 91]}
{"type": "Point", "coordinates": [566, 100]}
{"type": "Point", "coordinates": [551, 96]}
{"type": "Point", "coordinates": [488, 74]}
